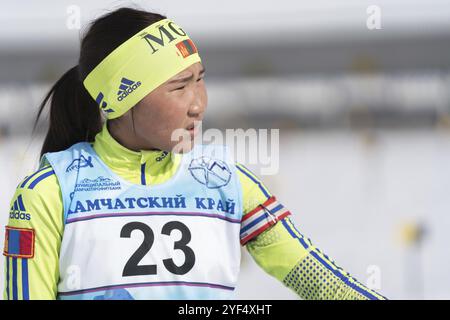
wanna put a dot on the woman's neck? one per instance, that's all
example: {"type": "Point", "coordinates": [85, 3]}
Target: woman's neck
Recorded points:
{"type": "Point", "coordinates": [124, 135]}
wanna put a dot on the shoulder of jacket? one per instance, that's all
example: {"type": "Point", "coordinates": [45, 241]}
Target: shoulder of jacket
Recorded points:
{"type": "Point", "coordinates": [43, 179]}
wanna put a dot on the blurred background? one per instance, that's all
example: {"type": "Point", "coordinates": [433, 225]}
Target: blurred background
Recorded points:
{"type": "Point", "coordinates": [360, 91]}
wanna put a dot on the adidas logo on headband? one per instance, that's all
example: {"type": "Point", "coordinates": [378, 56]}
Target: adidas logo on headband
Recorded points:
{"type": "Point", "coordinates": [126, 87]}
{"type": "Point", "coordinates": [102, 103]}
{"type": "Point", "coordinates": [162, 47]}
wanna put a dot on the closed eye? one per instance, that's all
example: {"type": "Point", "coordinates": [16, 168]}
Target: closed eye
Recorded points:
{"type": "Point", "coordinates": [180, 88]}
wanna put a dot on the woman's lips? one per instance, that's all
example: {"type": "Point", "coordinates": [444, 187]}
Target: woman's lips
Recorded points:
{"type": "Point", "coordinates": [193, 129]}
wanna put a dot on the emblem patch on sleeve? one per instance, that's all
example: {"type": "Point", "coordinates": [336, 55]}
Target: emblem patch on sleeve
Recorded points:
{"type": "Point", "coordinates": [19, 242]}
{"type": "Point", "coordinates": [261, 218]}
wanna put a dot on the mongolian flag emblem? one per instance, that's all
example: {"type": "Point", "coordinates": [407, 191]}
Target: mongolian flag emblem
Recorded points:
{"type": "Point", "coordinates": [186, 47]}
{"type": "Point", "coordinates": [19, 242]}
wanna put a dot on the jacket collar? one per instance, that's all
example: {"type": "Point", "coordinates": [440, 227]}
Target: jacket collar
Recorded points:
{"type": "Point", "coordinates": [157, 166]}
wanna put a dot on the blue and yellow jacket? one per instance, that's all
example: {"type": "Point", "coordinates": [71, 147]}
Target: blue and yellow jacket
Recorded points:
{"type": "Point", "coordinates": [36, 226]}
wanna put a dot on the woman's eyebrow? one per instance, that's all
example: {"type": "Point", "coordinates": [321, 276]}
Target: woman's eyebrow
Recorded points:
{"type": "Point", "coordinates": [187, 78]}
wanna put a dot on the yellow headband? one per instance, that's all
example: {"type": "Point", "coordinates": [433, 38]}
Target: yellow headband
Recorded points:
{"type": "Point", "coordinates": [140, 65]}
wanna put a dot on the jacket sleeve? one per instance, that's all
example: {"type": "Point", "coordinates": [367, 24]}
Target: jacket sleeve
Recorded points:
{"type": "Point", "coordinates": [283, 252]}
{"type": "Point", "coordinates": [33, 237]}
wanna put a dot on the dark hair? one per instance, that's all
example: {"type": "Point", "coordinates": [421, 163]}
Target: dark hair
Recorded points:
{"type": "Point", "coordinates": [74, 114]}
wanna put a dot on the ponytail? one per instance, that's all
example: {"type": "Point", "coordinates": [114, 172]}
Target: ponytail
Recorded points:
{"type": "Point", "coordinates": [74, 115]}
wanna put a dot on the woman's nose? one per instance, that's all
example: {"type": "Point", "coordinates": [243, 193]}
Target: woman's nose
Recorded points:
{"type": "Point", "coordinates": [195, 110]}
{"type": "Point", "coordinates": [199, 100]}
{"type": "Point", "coordinates": [197, 107]}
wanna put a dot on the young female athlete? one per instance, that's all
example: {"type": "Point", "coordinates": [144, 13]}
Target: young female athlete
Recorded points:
{"type": "Point", "coordinates": [114, 213]}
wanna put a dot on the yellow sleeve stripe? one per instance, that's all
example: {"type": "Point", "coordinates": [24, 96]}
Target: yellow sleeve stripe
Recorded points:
{"type": "Point", "coordinates": [252, 177]}
{"type": "Point", "coordinates": [329, 264]}
{"type": "Point", "coordinates": [16, 279]}
{"type": "Point", "coordinates": [38, 176]}
{"type": "Point", "coordinates": [306, 242]}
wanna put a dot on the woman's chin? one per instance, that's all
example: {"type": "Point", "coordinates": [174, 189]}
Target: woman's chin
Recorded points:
{"type": "Point", "coordinates": [184, 146]}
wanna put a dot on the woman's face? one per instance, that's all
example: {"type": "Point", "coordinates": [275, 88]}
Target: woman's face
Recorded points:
{"type": "Point", "coordinates": [173, 108]}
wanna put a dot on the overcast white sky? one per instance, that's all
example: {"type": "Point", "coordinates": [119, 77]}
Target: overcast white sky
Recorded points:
{"type": "Point", "coordinates": [45, 21]}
